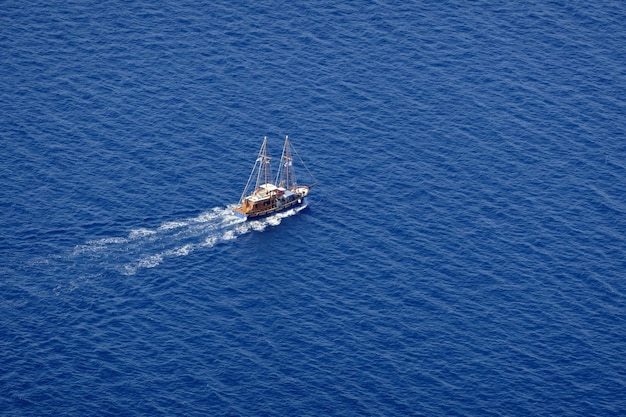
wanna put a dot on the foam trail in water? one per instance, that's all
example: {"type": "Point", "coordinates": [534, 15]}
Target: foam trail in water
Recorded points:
{"type": "Point", "coordinates": [148, 248]}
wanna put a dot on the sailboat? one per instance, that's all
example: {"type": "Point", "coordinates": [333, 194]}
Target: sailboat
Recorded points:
{"type": "Point", "coordinates": [269, 197]}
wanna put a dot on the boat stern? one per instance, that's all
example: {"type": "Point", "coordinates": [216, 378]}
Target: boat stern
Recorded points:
{"type": "Point", "coordinates": [237, 211]}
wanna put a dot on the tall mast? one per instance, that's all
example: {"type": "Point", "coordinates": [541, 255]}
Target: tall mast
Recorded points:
{"type": "Point", "coordinates": [266, 160]}
{"type": "Point", "coordinates": [286, 175]}
{"type": "Point", "coordinates": [287, 162]}
{"type": "Point", "coordinates": [264, 165]}
{"type": "Point", "coordinates": [260, 170]}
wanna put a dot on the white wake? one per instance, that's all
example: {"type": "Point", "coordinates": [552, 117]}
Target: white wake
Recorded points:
{"type": "Point", "coordinates": [148, 248]}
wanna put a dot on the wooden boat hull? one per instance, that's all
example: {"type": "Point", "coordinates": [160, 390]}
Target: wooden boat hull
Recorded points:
{"type": "Point", "coordinates": [237, 211]}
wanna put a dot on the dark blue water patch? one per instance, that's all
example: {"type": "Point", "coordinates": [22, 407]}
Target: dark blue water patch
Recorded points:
{"type": "Point", "coordinates": [461, 255]}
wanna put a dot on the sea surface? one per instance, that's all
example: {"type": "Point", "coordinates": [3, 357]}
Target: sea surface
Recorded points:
{"type": "Point", "coordinates": [463, 254]}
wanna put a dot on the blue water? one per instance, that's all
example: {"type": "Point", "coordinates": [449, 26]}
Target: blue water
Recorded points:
{"type": "Point", "coordinates": [463, 253]}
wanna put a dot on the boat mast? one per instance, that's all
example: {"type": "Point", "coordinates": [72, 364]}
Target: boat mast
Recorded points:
{"type": "Point", "coordinates": [286, 178]}
{"type": "Point", "coordinates": [288, 163]}
{"type": "Point", "coordinates": [261, 169]}
{"type": "Point", "coordinates": [264, 166]}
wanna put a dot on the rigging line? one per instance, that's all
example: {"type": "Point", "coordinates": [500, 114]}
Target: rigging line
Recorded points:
{"type": "Point", "coordinates": [254, 169]}
{"type": "Point", "coordinates": [247, 185]}
{"type": "Point", "coordinates": [280, 165]}
{"type": "Point", "coordinates": [305, 167]}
